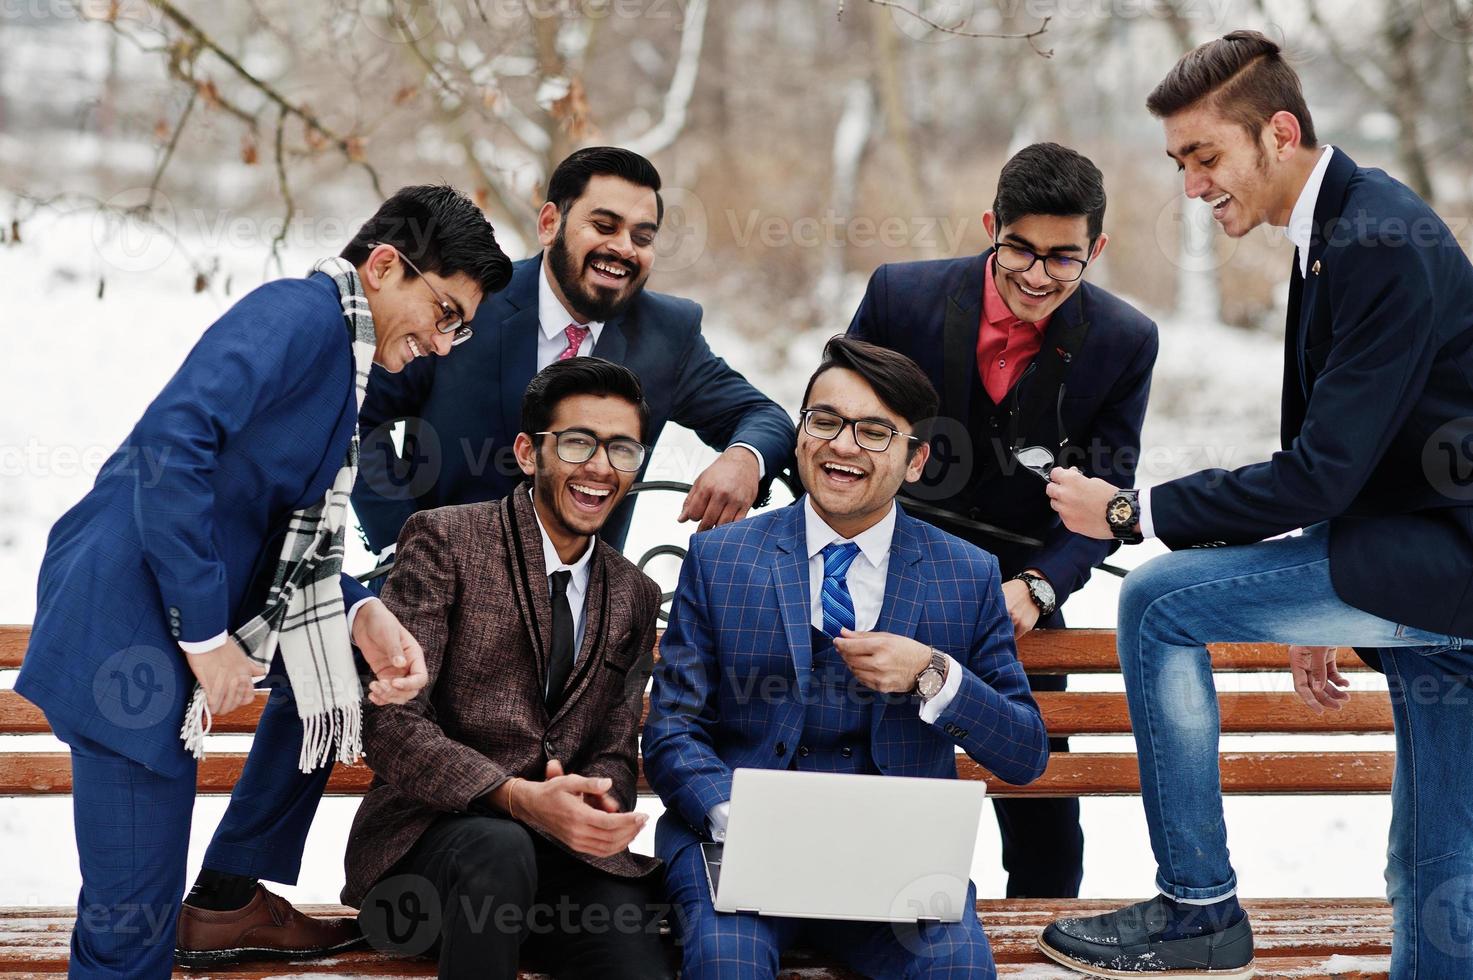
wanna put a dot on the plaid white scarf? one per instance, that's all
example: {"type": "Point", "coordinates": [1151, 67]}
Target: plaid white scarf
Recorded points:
{"type": "Point", "coordinates": [304, 615]}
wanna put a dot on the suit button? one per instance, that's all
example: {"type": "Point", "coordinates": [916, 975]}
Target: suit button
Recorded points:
{"type": "Point", "coordinates": [174, 632]}
{"type": "Point", "coordinates": [548, 749]}
{"type": "Point", "coordinates": [173, 610]}
{"type": "Point", "coordinates": [803, 751]}
{"type": "Point", "coordinates": [846, 752]}
{"type": "Point", "coordinates": [780, 749]}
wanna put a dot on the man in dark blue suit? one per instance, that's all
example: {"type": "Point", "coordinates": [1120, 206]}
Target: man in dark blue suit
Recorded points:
{"type": "Point", "coordinates": [1377, 438]}
{"type": "Point", "coordinates": [148, 582]}
{"type": "Point", "coordinates": [1025, 353]}
{"type": "Point", "coordinates": [583, 295]}
{"type": "Point", "coordinates": [835, 635]}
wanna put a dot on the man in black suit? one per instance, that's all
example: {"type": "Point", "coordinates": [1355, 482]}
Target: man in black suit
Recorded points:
{"type": "Point", "coordinates": [1377, 437]}
{"type": "Point", "coordinates": [1026, 353]}
{"type": "Point", "coordinates": [583, 295]}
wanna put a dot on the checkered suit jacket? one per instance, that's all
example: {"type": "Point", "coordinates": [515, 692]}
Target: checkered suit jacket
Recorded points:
{"type": "Point", "coordinates": [470, 585]}
{"type": "Point", "coordinates": [736, 660]}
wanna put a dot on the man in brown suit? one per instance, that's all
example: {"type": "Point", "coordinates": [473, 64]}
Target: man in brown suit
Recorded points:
{"type": "Point", "coordinates": [501, 806]}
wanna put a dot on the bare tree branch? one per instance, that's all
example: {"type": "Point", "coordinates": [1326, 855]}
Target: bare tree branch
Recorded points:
{"type": "Point", "coordinates": [349, 148]}
{"type": "Point", "coordinates": [1030, 36]}
{"type": "Point", "coordinates": [158, 173]}
{"type": "Point", "coordinates": [682, 84]}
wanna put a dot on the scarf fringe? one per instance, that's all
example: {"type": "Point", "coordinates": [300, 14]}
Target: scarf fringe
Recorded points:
{"type": "Point", "coordinates": [339, 728]}
{"type": "Point", "coordinates": [197, 724]}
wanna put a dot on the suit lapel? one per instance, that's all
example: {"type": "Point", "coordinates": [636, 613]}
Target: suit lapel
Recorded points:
{"type": "Point", "coordinates": [959, 338]}
{"type": "Point", "coordinates": [534, 599]}
{"type": "Point", "coordinates": [790, 577]}
{"type": "Point", "coordinates": [612, 344]}
{"type": "Point", "coordinates": [1327, 208]}
{"type": "Point", "coordinates": [518, 339]}
{"type": "Point", "coordinates": [905, 597]}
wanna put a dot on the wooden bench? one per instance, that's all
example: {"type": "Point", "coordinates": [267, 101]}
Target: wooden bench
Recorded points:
{"type": "Point", "coordinates": [1299, 938]}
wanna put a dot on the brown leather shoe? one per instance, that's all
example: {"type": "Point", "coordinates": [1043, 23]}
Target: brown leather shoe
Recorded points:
{"type": "Point", "coordinates": [268, 928]}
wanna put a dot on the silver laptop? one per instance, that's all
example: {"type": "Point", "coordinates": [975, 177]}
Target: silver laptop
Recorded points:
{"type": "Point", "coordinates": [830, 846]}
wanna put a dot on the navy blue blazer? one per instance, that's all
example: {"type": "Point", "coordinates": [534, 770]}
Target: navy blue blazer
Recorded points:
{"type": "Point", "coordinates": [932, 312]}
{"type": "Point", "coordinates": [1378, 384]}
{"type": "Point", "coordinates": [179, 536]}
{"type": "Point", "coordinates": [465, 409]}
{"type": "Point", "coordinates": [736, 664]}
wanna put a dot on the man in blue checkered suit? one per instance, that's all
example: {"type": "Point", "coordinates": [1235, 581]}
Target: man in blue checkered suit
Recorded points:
{"type": "Point", "coordinates": [835, 635]}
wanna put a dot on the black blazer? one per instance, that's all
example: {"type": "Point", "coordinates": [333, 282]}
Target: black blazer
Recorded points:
{"type": "Point", "coordinates": [465, 409]}
{"type": "Point", "coordinates": [1377, 427]}
{"type": "Point", "coordinates": [932, 312]}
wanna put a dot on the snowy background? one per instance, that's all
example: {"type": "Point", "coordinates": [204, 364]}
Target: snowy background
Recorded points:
{"type": "Point", "coordinates": [787, 138]}
{"type": "Point", "coordinates": [83, 369]}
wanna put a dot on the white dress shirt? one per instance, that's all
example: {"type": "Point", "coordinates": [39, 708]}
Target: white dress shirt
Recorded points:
{"type": "Point", "coordinates": [577, 584]}
{"type": "Point", "coordinates": [1300, 232]}
{"type": "Point", "coordinates": [554, 319]}
{"type": "Point", "coordinates": [866, 581]}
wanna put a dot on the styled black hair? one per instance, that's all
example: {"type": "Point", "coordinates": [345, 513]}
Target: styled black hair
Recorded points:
{"type": "Point", "coordinates": [897, 380]}
{"type": "Point", "coordinates": [1047, 178]}
{"type": "Point", "coordinates": [580, 376]}
{"type": "Point", "coordinates": [571, 177]}
{"type": "Point", "coordinates": [440, 230]}
{"type": "Point", "coordinates": [1245, 76]}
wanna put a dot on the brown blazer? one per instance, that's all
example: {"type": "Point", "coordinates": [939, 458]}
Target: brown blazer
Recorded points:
{"type": "Point", "coordinates": [470, 584]}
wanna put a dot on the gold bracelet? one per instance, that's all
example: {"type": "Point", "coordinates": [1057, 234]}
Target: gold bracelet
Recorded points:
{"type": "Point", "coordinates": [511, 810]}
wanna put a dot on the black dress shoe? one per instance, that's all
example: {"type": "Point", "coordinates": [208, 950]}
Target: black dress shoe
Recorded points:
{"type": "Point", "coordinates": [1130, 943]}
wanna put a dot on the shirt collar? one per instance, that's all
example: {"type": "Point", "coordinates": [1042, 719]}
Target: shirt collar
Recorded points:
{"type": "Point", "coordinates": [995, 308]}
{"type": "Point", "coordinates": [552, 316]}
{"type": "Point", "coordinates": [554, 563]}
{"type": "Point", "coordinates": [874, 542]}
{"type": "Point", "coordinates": [1301, 219]}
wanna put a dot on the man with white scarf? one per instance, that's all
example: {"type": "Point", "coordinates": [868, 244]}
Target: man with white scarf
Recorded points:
{"type": "Point", "coordinates": [209, 555]}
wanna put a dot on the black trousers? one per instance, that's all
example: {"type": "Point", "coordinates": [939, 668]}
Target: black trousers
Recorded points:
{"type": "Point", "coordinates": [1042, 842]}
{"type": "Point", "coordinates": [482, 889]}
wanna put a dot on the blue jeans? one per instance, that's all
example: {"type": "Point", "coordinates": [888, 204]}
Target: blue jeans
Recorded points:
{"type": "Point", "coordinates": [1280, 592]}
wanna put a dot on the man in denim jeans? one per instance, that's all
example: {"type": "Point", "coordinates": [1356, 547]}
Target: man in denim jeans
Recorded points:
{"type": "Point", "coordinates": [1376, 467]}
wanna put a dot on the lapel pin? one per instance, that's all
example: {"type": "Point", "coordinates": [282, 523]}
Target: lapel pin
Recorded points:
{"type": "Point", "coordinates": [1315, 269]}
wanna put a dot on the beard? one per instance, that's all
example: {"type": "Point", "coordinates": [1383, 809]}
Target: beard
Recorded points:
{"type": "Point", "coordinates": [596, 303]}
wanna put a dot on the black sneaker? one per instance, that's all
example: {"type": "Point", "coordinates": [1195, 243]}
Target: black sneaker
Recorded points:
{"type": "Point", "coordinates": [1130, 943]}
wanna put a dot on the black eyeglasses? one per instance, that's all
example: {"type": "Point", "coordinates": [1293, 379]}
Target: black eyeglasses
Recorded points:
{"type": "Point", "coordinates": [1038, 460]}
{"type": "Point", "coordinates": [450, 320]}
{"type": "Point", "coordinates": [1060, 268]}
{"type": "Point", "coordinates": [579, 445]}
{"type": "Point", "coordinates": [868, 434]}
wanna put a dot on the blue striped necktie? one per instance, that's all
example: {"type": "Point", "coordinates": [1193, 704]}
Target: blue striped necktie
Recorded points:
{"type": "Point", "coordinates": [838, 605]}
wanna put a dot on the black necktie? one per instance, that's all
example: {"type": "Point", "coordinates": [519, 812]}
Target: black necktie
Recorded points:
{"type": "Point", "coordinates": [560, 666]}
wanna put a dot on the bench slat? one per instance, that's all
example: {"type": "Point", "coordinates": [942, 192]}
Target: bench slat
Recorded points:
{"type": "Point", "coordinates": [1069, 651]}
{"type": "Point", "coordinates": [1064, 713]}
{"type": "Point", "coordinates": [1069, 774]}
{"type": "Point", "coordinates": [1294, 937]}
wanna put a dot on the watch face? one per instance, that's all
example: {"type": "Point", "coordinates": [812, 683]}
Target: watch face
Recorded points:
{"type": "Point", "coordinates": [929, 683]}
{"type": "Point", "coordinates": [1119, 513]}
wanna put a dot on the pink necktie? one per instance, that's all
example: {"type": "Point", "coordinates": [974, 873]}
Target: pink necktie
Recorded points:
{"type": "Point", "coordinates": [576, 335]}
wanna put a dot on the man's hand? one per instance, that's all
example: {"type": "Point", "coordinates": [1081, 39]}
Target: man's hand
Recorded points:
{"type": "Point", "coordinates": [395, 657]}
{"type": "Point", "coordinates": [1081, 502]}
{"type": "Point", "coordinates": [883, 662]}
{"type": "Point", "coordinates": [227, 676]}
{"type": "Point", "coordinates": [724, 492]}
{"type": "Point", "coordinates": [561, 806]}
{"type": "Point", "coordinates": [1317, 679]}
{"type": "Point", "coordinates": [1022, 610]}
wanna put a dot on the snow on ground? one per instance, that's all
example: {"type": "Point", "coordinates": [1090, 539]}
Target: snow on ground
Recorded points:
{"type": "Point", "coordinates": [81, 370]}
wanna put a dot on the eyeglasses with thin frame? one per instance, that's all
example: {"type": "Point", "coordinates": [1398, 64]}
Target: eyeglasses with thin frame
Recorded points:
{"type": "Point", "coordinates": [579, 445]}
{"type": "Point", "coordinates": [1060, 268]}
{"type": "Point", "coordinates": [869, 434]}
{"type": "Point", "coordinates": [450, 320]}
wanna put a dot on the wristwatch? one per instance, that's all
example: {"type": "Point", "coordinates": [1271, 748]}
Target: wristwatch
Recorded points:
{"type": "Point", "coordinates": [1123, 513]}
{"type": "Point", "coordinates": [1041, 591]}
{"type": "Point", "coordinates": [932, 677]}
